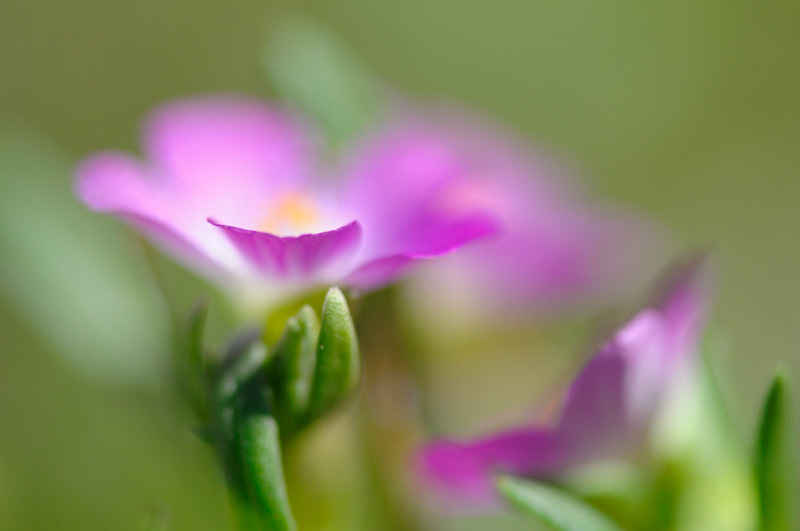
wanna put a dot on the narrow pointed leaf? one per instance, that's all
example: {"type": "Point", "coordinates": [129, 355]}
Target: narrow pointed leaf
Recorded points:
{"type": "Point", "coordinates": [296, 354]}
{"type": "Point", "coordinates": [338, 367]}
{"type": "Point", "coordinates": [558, 509]}
{"type": "Point", "coordinates": [313, 69]}
{"type": "Point", "coordinates": [774, 460]}
{"type": "Point", "coordinates": [191, 360]}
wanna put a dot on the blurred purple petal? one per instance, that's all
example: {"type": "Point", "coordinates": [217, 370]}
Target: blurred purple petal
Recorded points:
{"type": "Point", "coordinates": [434, 238]}
{"type": "Point", "coordinates": [118, 184]}
{"type": "Point", "coordinates": [595, 411]}
{"type": "Point", "coordinates": [380, 271]}
{"type": "Point", "coordinates": [229, 143]}
{"type": "Point", "coordinates": [554, 248]}
{"type": "Point", "coordinates": [464, 472]}
{"type": "Point", "coordinates": [411, 182]}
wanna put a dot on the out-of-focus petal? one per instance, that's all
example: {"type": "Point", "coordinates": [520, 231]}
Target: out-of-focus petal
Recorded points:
{"type": "Point", "coordinates": [380, 271]}
{"type": "Point", "coordinates": [555, 248]}
{"type": "Point", "coordinates": [595, 411]}
{"type": "Point", "coordinates": [318, 256]}
{"type": "Point", "coordinates": [684, 304]}
{"type": "Point", "coordinates": [118, 184]}
{"type": "Point", "coordinates": [228, 143]}
{"type": "Point", "coordinates": [436, 233]}
{"type": "Point", "coordinates": [410, 184]}
{"type": "Point", "coordinates": [434, 237]}
{"type": "Point", "coordinates": [463, 472]}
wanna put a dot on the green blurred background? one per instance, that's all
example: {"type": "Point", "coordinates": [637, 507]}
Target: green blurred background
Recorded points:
{"type": "Point", "coordinates": [686, 110]}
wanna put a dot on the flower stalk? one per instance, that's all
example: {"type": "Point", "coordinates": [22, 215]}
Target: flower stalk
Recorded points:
{"type": "Point", "coordinates": [257, 398]}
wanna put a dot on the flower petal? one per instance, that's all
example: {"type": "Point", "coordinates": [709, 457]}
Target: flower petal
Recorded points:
{"type": "Point", "coordinates": [684, 306]}
{"type": "Point", "coordinates": [228, 143]}
{"type": "Point", "coordinates": [433, 240]}
{"type": "Point", "coordinates": [594, 418]}
{"type": "Point", "coordinates": [379, 272]}
{"type": "Point", "coordinates": [464, 471]}
{"type": "Point", "coordinates": [322, 256]}
{"type": "Point", "coordinates": [410, 186]}
{"type": "Point", "coordinates": [118, 184]}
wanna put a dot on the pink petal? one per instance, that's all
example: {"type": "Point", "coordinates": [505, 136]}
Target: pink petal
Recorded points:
{"type": "Point", "coordinates": [379, 272]}
{"type": "Point", "coordinates": [595, 415]}
{"type": "Point", "coordinates": [320, 256]}
{"type": "Point", "coordinates": [684, 305]}
{"type": "Point", "coordinates": [116, 183]}
{"type": "Point", "coordinates": [228, 142]}
{"type": "Point", "coordinates": [464, 472]}
{"type": "Point", "coordinates": [408, 186]}
{"type": "Point", "coordinates": [433, 239]}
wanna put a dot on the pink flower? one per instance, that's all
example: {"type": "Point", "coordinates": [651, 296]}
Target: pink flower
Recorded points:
{"type": "Point", "coordinates": [555, 248]}
{"type": "Point", "coordinates": [606, 411]}
{"type": "Point", "coordinates": [230, 186]}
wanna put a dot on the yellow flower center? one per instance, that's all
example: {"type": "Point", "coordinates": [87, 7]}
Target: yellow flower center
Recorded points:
{"type": "Point", "coordinates": [293, 212]}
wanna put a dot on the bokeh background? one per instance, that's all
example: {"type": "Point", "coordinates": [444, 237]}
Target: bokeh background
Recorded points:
{"type": "Point", "coordinates": [685, 110]}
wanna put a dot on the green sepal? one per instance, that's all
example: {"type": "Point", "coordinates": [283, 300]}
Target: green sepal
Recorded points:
{"type": "Point", "coordinates": [275, 324]}
{"type": "Point", "coordinates": [337, 370]}
{"type": "Point", "coordinates": [292, 373]}
{"type": "Point", "coordinates": [554, 507]}
{"type": "Point", "coordinates": [775, 466]}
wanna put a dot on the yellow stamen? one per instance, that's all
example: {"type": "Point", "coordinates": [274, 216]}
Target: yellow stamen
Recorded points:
{"type": "Point", "coordinates": [293, 212]}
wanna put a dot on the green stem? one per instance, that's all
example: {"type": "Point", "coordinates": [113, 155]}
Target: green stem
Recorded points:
{"type": "Point", "coordinates": [248, 440]}
{"type": "Point", "coordinates": [259, 497]}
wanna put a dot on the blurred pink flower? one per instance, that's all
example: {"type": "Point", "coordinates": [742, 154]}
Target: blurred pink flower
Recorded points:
{"type": "Point", "coordinates": [555, 249]}
{"type": "Point", "coordinates": [230, 187]}
{"type": "Point", "coordinates": [606, 411]}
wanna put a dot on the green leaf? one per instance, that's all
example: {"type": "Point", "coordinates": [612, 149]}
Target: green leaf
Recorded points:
{"type": "Point", "coordinates": [338, 366]}
{"type": "Point", "coordinates": [191, 367]}
{"type": "Point", "coordinates": [775, 466]}
{"type": "Point", "coordinates": [314, 70]}
{"type": "Point", "coordinates": [72, 273]}
{"type": "Point", "coordinates": [558, 509]}
{"type": "Point", "coordinates": [296, 354]}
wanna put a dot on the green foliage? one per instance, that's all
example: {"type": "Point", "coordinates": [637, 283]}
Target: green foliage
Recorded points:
{"type": "Point", "coordinates": [775, 464]}
{"type": "Point", "coordinates": [70, 272]}
{"type": "Point", "coordinates": [247, 438]}
{"type": "Point", "coordinates": [315, 364]}
{"type": "Point", "coordinates": [556, 508]}
{"type": "Point", "coordinates": [257, 398]}
{"type": "Point", "coordinates": [294, 369]}
{"type": "Point", "coordinates": [338, 368]}
{"type": "Point", "coordinates": [315, 71]}
{"type": "Point", "coordinates": [263, 502]}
